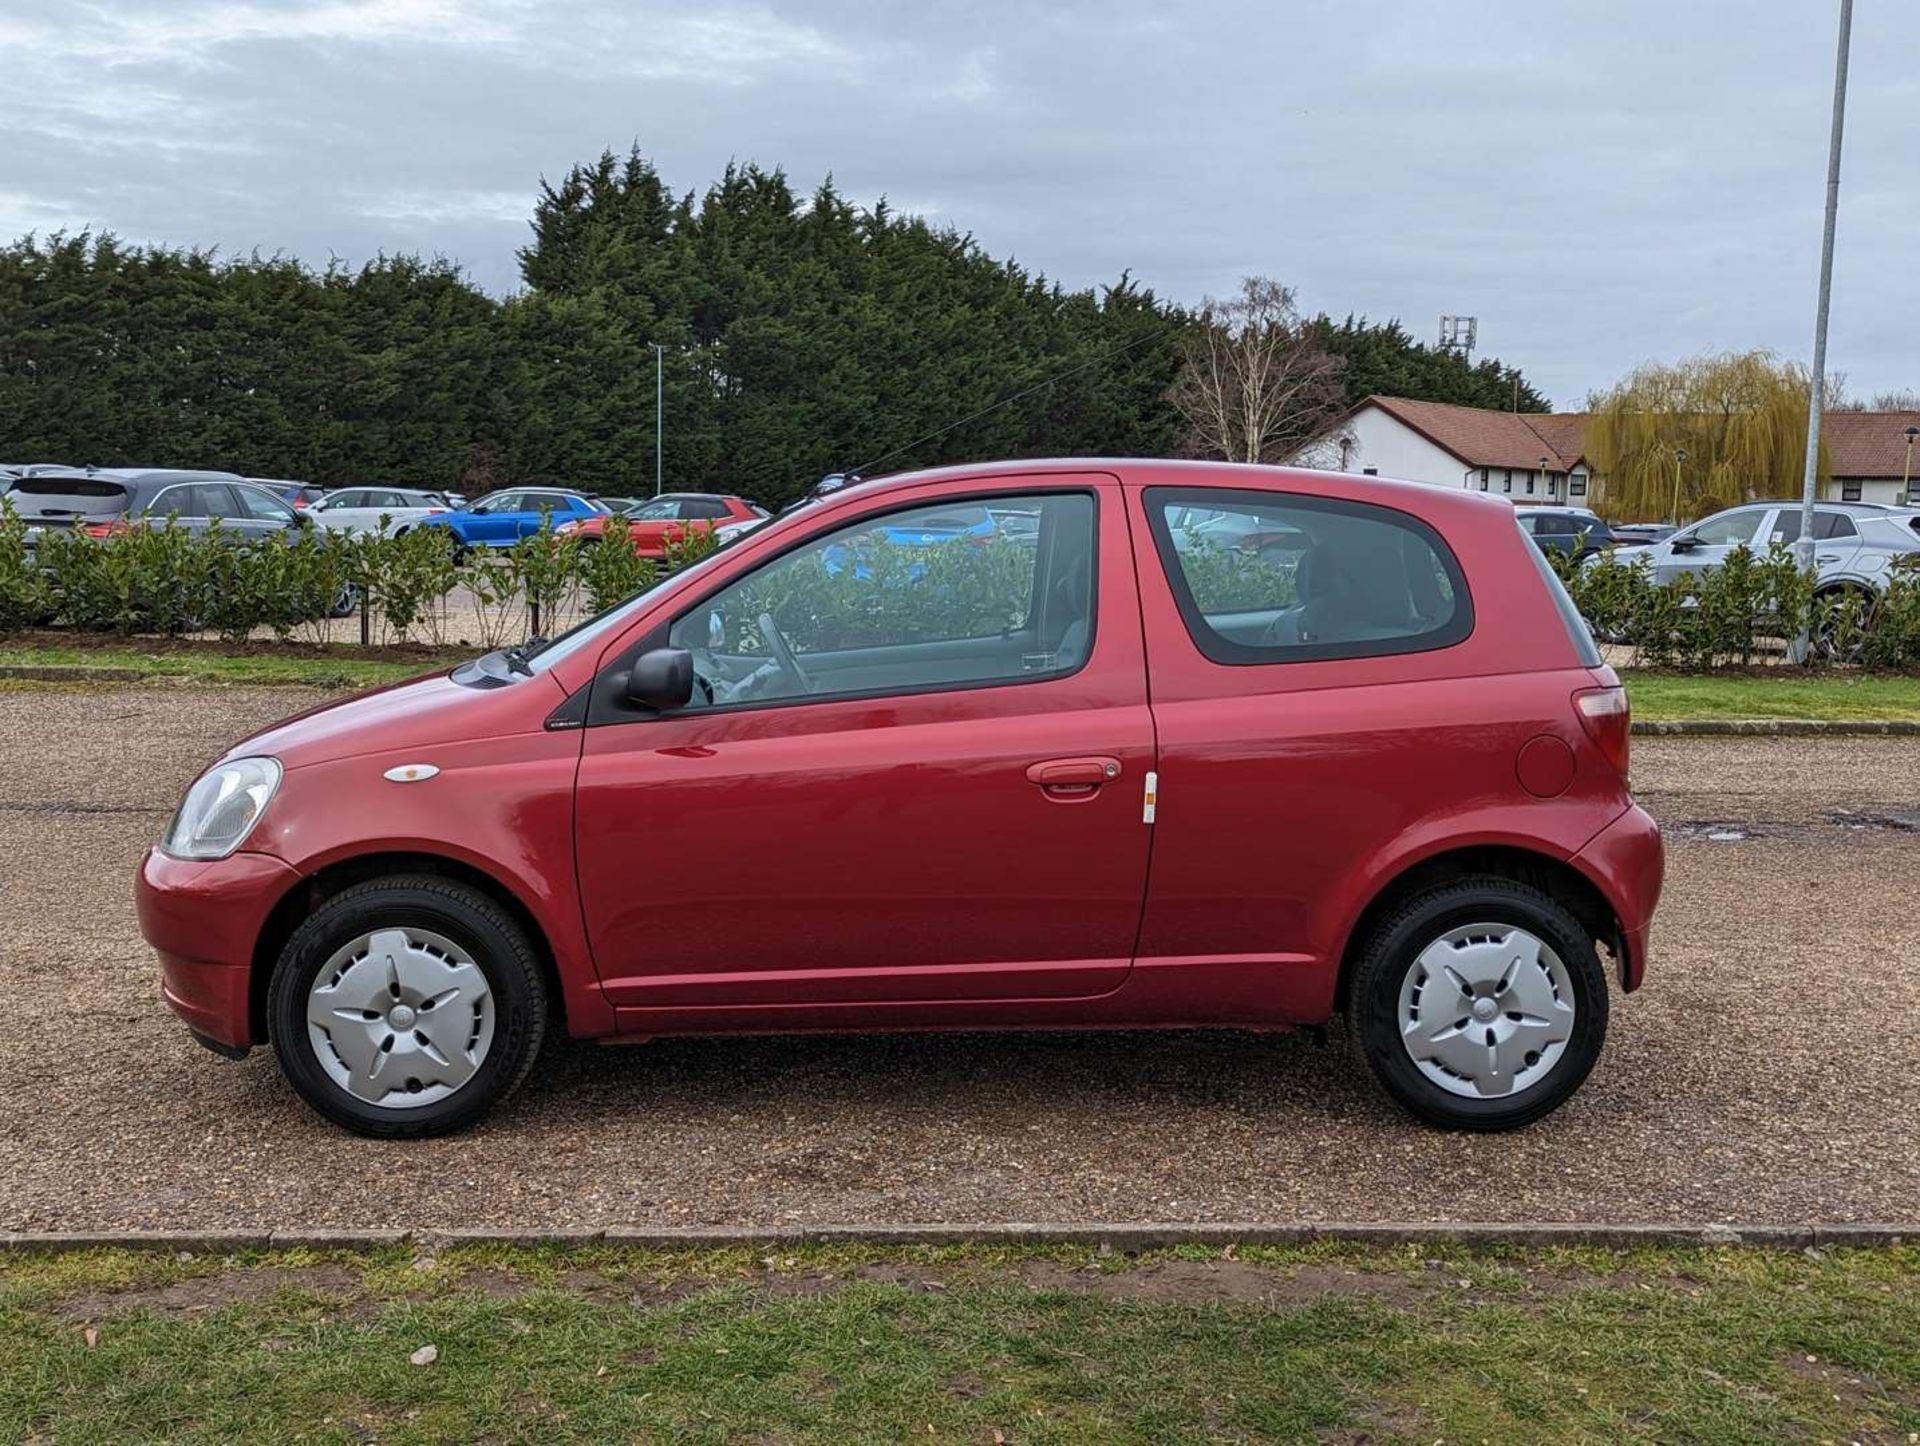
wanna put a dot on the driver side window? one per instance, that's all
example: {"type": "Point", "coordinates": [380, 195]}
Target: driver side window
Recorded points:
{"type": "Point", "coordinates": [940, 596]}
{"type": "Point", "coordinates": [1735, 527]}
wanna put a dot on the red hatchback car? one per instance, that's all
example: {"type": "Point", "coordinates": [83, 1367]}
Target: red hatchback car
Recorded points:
{"type": "Point", "coordinates": [653, 524]}
{"type": "Point", "coordinates": [1108, 767]}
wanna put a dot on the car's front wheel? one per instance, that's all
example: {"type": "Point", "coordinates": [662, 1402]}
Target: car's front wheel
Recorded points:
{"type": "Point", "coordinates": [1480, 1004]}
{"type": "Point", "coordinates": [406, 1006]}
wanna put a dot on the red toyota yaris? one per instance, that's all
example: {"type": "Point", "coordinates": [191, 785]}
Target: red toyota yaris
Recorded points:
{"type": "Point", "coordinates": [1156, 744]}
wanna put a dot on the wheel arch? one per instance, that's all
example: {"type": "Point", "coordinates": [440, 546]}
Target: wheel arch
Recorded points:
{"type": "Point", "coordinates": [1553, 876]}
{"type": "Point", "coordinates": [313, 890]}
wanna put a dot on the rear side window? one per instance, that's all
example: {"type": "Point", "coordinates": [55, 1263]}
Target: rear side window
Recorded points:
{"type": "Point", "coordinates": [1264, 577]}
{"type": "Point", "coordinates": [67, 497]}
{"type": "Point", "coordinates": [1578, 633]}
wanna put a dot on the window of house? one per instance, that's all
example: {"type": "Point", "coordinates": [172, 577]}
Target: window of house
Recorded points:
{"type": "Point", "coordinates": [1370, 471]}
{"type": "Point", "coordinates": [1850, 491]}
{"type": "Point", "coordinates": [1577, 487]}
{"type": "Point", "coordinates": [898, 602]}
{"type": "Point", "coordinates": [1506, 481]}
{"type": "Point", "coordinates": [1315, 578]}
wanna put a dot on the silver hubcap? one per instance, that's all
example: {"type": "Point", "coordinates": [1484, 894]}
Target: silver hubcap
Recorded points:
{"type": "Point", "coordinates": [1486, 1010]}
{"type": "Point", "coordinates": [400, 1018]}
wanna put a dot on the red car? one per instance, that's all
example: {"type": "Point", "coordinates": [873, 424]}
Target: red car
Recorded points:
{"type": "Point", "coordinates": [652, 525]}
{"type": "Point", "coordinates": [1100, 770]}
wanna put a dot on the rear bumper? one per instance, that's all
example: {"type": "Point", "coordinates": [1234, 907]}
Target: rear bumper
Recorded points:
{"type": "Point", "coordinates": [1627, 860]}
{"type": "Point", "coordinates": [203, 920]}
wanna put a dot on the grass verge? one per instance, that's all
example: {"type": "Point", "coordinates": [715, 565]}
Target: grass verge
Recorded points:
{"type": "Point", "coordinates": [1776, 694]}
{"type": "Point", "coordinates": [840, 1344]}
{"type": "Point", "coordinates": [329, 666]}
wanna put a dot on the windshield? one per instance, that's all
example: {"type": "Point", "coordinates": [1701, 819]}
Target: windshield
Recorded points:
{"type": "Point", "coordinates": [67, 497]}
{"type": "Point", "coordinates": [596, 630]}
{"type": "Point", "coordinates": [659, 507]}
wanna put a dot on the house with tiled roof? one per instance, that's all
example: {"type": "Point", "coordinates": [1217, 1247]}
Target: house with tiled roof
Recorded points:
{"type": "Point", "coordinates": [1540, 459]}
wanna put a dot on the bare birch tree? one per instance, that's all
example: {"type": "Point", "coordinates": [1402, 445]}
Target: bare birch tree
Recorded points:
{"type": "Point", "coordinates": [1254, 384]}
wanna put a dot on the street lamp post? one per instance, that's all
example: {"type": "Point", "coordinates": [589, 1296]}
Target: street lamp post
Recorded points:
{"type": "Point", "coordinates": [1906, 472]}
{"type": "Point", "coordinates": [1818, 380]}
{"type": "Point", "coordinates": [1679, 456]}
{"type": "Point", "coordinates": [659, 412]}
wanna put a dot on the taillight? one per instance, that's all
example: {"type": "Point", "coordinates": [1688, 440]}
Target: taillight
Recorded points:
{"type": "Point", "coordinates": [106, 529]}
{"type": "Point", "coordinates": [1608, 719]}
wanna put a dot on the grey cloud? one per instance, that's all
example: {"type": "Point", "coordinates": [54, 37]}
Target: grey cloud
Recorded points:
{"type": "Point", "coordinates": [1600, 184]}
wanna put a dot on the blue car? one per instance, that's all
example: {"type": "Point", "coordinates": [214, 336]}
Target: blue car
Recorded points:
{"type": "Point", "coordinates": [502, 518]}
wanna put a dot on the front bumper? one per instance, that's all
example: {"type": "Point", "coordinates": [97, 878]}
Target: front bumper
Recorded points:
{"type": "Point", "coordinates": [1627, 860]}
{"type": "Point", "coordinates": [203, 919]}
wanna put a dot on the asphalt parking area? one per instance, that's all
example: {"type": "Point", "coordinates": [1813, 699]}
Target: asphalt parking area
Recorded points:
{"type": "Point", "coordinates": [1766, 1073]}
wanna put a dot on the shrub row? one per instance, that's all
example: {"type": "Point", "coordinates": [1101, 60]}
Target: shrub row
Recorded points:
{"type": "Point", "coordinates": [1752, 604]}
{"type": "Point", "coordinates": [169, 580]}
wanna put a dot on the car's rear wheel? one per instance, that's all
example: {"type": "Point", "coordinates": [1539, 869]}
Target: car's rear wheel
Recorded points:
{"type": "Point", "coordinates": [1480, 1004]}
{"type": "Point", "coordinates": [406, 1006]}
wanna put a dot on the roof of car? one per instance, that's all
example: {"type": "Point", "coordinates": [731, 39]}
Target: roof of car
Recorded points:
{"type": "Point", "coordinates": [1151, 471]}
{"type": "Point", "coordinates": [139, 476]}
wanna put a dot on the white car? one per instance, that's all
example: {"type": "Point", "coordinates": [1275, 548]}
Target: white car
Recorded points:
{"type": "Point", "coordinates": [392, 510]}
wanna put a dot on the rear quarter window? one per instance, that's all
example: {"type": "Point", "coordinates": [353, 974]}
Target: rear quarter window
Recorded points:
{"type": "Point", "coordinates": [1266, 577]}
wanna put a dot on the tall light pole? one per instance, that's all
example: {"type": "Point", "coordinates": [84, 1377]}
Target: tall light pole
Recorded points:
{"type": "Point", "coordinates": [1906, 472]}
{"type": "Point", "coordinates": [659, 412]}
{"type": "Point", "coordinates": [1679, 456]}
{"type": "Point", "coordinates": [1815, 399]}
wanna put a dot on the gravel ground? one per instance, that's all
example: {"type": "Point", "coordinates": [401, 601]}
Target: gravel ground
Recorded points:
{"type": "Point", "coordinates": [1764, 1074]}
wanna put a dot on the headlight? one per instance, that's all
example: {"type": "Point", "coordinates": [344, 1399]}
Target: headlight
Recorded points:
{"type": "Point", "coordinates": [222, 808]}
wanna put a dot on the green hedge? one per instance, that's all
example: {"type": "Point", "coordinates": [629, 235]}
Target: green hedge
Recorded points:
{"type": "Point", "coordinates": [1752, 604]}
{"type": "Point", "coordinates": [170, 580]}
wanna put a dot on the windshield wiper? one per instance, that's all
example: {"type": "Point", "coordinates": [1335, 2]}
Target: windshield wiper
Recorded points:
{"type": "Point", "coordinates": [516, 656]}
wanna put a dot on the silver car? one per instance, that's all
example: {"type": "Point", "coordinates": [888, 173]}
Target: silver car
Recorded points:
{"type": "Point", "coordinates": [1856, 544]}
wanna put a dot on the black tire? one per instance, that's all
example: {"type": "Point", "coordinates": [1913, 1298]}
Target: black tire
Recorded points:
{"type": "Point", "coordinates": [461, 914]}
{"type": "Point", "coordinates": [1374, 995]}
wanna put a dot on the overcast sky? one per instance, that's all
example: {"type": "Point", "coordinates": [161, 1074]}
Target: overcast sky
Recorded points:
{"type": "Point", "coordinates": [1600, 183]}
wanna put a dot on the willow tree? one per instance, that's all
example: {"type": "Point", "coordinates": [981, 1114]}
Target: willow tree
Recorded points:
{"type": "Point", "coordinates": [1707, 433]}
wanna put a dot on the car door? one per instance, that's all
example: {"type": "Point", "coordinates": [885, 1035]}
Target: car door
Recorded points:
{"type": "Point", "coordinates": [262, 514]}
{"type": "Point", "coordinates": [495, 520]}
{"type": "Point", "coordinates": [1835, 537]}
{"type": "Point", "coordinates": [911, 784]}
{"type": "Point", "coordinates": [1705, 545]}
{"type": "Point", "coordinates": [341, 511]}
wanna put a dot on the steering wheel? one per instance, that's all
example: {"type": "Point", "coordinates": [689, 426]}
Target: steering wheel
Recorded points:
{"type": "Point", "coordinates": [782, 654]}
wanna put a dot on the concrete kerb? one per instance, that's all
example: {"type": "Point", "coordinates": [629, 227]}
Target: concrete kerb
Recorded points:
{"type": "Point", "coordinates": [1114, 1238]}
{"type": "Point", "coordinates": [1778, 727]}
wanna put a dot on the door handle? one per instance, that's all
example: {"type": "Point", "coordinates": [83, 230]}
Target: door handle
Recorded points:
{"type": "Point", "coordinates": [1073, 777]}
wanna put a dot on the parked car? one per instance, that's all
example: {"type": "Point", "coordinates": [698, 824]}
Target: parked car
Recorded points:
{"type": "Point", "coordinates": [391, 510]}
{"type": "Point", "coordinates": [12, 471]}
{"type": "Point", "coordinates": [1641, 534]}
{"type": "Point", "coordinates": [652, 524]}
{"type": "Point", "coordinates": [1856, 544]}
{"type": "Point", "coordinates": [109, 500]}
{"type": "Point", "coordinates": [106, 501]}
{"type": "Point", "coordinates": [1393, 784]}
{"type": "Point", "coordinates": [300, 494]}
{"type": "Point", "coordinates": [1574, 531]}
{"type": "Point", "coordinates": [500, 519]}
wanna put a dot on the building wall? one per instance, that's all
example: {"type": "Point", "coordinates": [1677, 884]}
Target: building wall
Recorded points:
{"type": "Point", "coordinates": [1377, 439]}
{"type": "Point", "coordinates": [1391, 448]}
{"type": "Point", "coordinates": [1872, 489]}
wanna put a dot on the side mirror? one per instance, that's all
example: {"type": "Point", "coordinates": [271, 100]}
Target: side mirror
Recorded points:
{"type": "Point", "coordinates": [661, 679]}
{"type": "Point", "coordinates": [480, 511]}
{"type": "Point", "coordinates": [1682, 544]}
{"type": "Point", "coordinates": [300, 519]}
